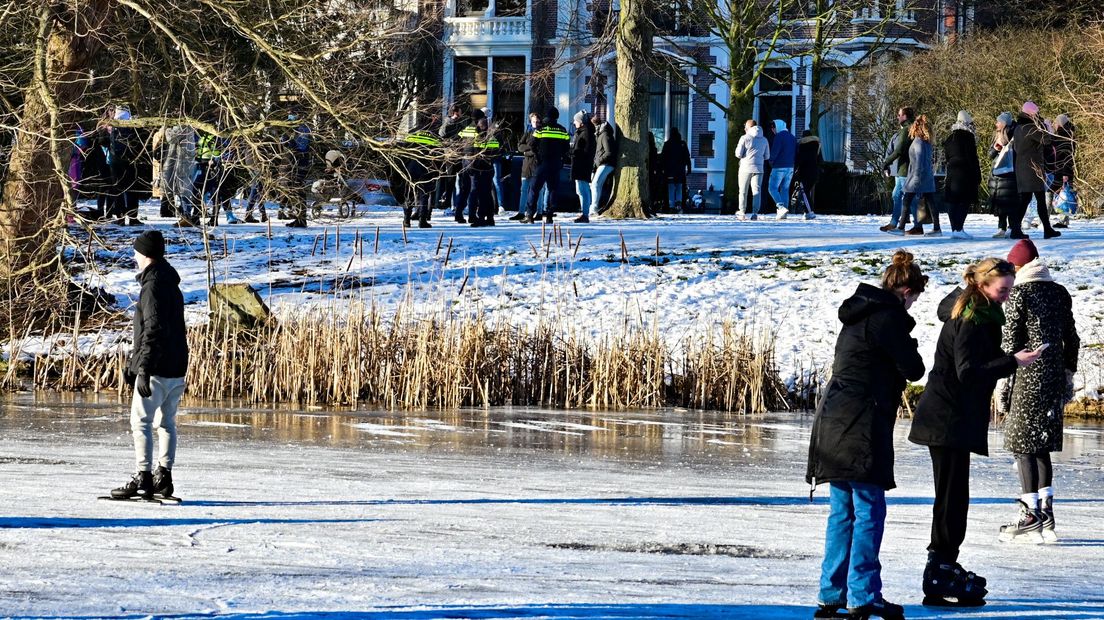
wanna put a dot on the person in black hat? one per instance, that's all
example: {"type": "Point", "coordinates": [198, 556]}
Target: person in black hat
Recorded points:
{"type": "Point", "coordinates": [156, 368]}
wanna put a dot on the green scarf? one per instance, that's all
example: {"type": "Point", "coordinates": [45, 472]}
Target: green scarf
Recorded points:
{"type": "Point", "coordinates": [989, 313]}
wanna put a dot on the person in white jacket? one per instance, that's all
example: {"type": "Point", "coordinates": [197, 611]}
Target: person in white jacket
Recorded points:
{"type": "Point", "coordinates": [752, 150]}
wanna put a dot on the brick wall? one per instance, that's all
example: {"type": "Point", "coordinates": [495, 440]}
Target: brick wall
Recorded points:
{"type": "Point", "coordinates": [702, 114]}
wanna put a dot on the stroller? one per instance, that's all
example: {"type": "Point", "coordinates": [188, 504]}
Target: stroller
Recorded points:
{"type": "Point", "coordinates": [334, 188]}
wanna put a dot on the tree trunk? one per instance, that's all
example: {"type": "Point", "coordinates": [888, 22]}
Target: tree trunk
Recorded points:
{"type": "Point", "coordinates": [632, 198]}
{"type": "Point", "coordinates": [68, 39]}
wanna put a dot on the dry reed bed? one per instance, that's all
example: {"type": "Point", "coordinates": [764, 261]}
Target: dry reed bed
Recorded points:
{"type": "Point", "coordinates": [358, 357]}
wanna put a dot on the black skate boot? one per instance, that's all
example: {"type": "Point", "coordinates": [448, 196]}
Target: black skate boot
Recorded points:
{"type": "Point", "coordinates": [947, 584]}
{"type": "Point", "coordinates": [880, 608]}
{"type": "Point", "coordinates": [1047, 510]}
{"type": "Point", "coordinates": [140, 485]}
{"type": "Point", "coordinates": [162, 482]}
{"type": "Point", "coordinates": [1027, 529]}
{"type": "Point", "coordinates": [830, 611]}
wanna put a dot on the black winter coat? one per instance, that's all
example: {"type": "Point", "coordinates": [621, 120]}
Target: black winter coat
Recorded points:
{"type": "Point", "coordinates": [1031, 140]}
{"type": "Point", "coordinates": [963, 168]}
{"type": "Point", "coordinates": [551, 145]}
{"type": "Point", "coordinates": [527, 146]}
{"type": "Point", "coordinates": [852, 438]}
{"type": "Point", "coordinates": [676, 161]}
{"type": "Point", "coordinates": [1039, 310]}
{"type": "Point", "coordinates": [1064, 148]}
{"type": "Point", "coordinates": [1004, 197]}
{"type": "Point", "coordinates": [160, 337]}
{"type": "Point", "coordinates": [954, 410]}
{"type": "Point", "coordinates": [808, 160]}
{"type": "Point", "coordinates": [605, 151]}
{"type": "Point", "coordinates": [582, 153]}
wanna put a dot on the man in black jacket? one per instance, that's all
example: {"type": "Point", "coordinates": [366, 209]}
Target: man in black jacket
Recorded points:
{"type": "Point", "coordinates": [551, 149]}
{"type": "Point", "coordinates": [156, 368]}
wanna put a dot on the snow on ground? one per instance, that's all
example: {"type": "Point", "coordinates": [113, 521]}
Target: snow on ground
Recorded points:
{"type": "Point", "coordinates": [788, 277]}
{"type": "Point", "coordinates": [488, 514]}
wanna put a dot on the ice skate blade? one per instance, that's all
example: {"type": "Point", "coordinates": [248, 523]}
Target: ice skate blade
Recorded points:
{"type": "Point", "coordinates": [1049, 537]}
{"type": "Point", "coordinates": [137, 499]}
{"type": "Point", "coordinates": [171, 499]}
{"type": "Point", "coordinates": [949, 601]}
{"type": "Point", "coordinates": [1027, 538]}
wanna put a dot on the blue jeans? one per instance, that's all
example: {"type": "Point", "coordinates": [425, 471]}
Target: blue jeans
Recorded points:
{"type": "Point", "coordinates": [523, 200]}
{"type": "Point", "coordinates": [851, 572]}
{"type": "Point", "coordinates": [779, 187]}
{"type": "Point", "coordinates": [674, 196]}
{"type": "Point", "coordinates": [597, 184]}
{"type": "Point", "coordinates": [899, 201]}
{"type": "Point", "coordinates": [582, 190]}
{"type": "Point", "coordinates": [499, 194]}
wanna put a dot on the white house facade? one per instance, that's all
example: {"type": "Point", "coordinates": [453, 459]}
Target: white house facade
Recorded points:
{"type": "Point", "coordinates": [517, 56]}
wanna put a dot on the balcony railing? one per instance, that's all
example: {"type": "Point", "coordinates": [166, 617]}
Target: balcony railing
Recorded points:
{"type": "Point", "coordinates": [488, 30]}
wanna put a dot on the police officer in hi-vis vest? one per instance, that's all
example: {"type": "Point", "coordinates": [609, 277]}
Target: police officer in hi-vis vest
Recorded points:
{"type": "Point", "coordinates": [552, 141]}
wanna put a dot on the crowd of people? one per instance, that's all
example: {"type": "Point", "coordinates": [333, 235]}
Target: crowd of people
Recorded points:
{"type": "Point", "coordinates": [1009, 324]}
{"type": "Point", "coordinates": [1032, 162]}
{"type": "Point", "coordinates": [118, 166]}
{"type": "Point", "coordinates": [461, 164]}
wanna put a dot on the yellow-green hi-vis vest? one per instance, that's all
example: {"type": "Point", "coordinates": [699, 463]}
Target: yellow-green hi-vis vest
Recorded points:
{"type": "Point", "coordinates": [551, 133]}
{"type": "Point", "coordinates": [423, 138]}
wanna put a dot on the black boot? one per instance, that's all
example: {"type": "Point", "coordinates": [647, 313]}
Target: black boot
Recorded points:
{"type": "Point", "coordinates": [141, 484]}
{"type": "Point", "coordinates": [947, 584]}
{"type": "Point", "coordinates": [162, 482]}
{"type": "Point", "coordinates": [880, 608]}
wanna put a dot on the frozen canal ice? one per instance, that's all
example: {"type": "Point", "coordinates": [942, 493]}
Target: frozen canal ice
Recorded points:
{"type": "Point", "coordinates": [506, 513]}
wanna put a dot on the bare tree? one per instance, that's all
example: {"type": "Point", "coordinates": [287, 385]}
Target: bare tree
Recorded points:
{"type": "Point", "coordinates": [234, 69]}
{"type": "Point", "coordinates": [634, 38]}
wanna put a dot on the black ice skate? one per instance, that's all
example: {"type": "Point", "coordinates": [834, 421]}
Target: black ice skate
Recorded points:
{"type": "Point", "coordinates": [1047, 510]}
{"type": "Point", "coordinates": [162, 482]}
{"type": "Point", "coordinates": [830, 611]}
{"type": "Point", "coordinates": [947, 584]}
{"type": "Point", "coordinates": [140, 486]}
{"type": "Point", "coordinates": [1027, 529]}
{"type": "Point", "coordinates": [880, 608]}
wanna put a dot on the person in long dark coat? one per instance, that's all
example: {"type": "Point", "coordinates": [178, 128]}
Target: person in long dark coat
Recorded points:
{"type": "Point", "coordinates": [807, 169]}
{"type": "Point", "coordinates": [582, 163]}
{"type": "Point", "coordinates": [1038, 311]}
{"type": "Point", "coordinates": [676, 166]}
{"type": "Point", "coordinates": [852, 440]}
{"type": "Point", "coordinates": [952, 418]}
{"type": "Point", "coordinates": [1031, 139]}
{"type": "Point", "coordinates": [1064, 144]}
{"type": "Point", "coordinates": [963, 173]}
{"type": "Point", "coordinates": [1004, 198]}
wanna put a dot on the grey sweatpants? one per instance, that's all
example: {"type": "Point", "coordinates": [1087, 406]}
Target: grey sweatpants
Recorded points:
{"type": "Point", "coordinates": [159, 410]}
{"type": "Point", "coordinates": [753, 181]}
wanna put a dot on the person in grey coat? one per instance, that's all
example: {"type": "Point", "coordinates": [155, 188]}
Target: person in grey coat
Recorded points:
{"type": "Point", "coordinates": [1039, 311]}
{"type": "Point", "coordinates": [920, 181]}
{"type": "Point", "coordinates": [752, 150]}
{"type": "Point", "coordinates": [178, 165]}
{"type": "Point", "coordinates": [1031, 139]}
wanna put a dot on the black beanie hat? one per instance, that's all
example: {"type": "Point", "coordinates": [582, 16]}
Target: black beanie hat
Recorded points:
{"type": "Point", "coordinates": [554, 113]}
{"type": "Point", "coordinates": [150, 243]}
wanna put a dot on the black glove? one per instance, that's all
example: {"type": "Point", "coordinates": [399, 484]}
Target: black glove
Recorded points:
{"type": "Point", "coordinates": [129, 377]}
{"type": "Point", "coordinates": [142, 386]}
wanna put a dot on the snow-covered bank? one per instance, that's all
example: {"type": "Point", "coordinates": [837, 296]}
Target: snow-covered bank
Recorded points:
{"type": "Point", "coordinates": [784, 276]}
{"type": "Point", "coordinates": [488, 514]}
